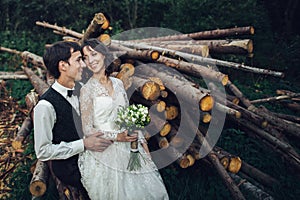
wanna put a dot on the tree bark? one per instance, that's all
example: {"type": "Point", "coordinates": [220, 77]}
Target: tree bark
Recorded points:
{"type": "Point", "coordinates": [254, 191]}
{"type": "Point", "coordinates": [234, 190]}
{"type": "Point", "coordinates": [197, 49]}
{"type": "Point", "coordinates": [202, 60]}
{"type": "Point", "coordinates": [39, 85]}
{"type": "Point", "coordinates": [179, 86]}
{"type": "Point", "coordinates": [12, 75]}
{"type": "Point", "coordinates": [39, 181]}
{"type": "Point", "coordinates": [285, 149]}
{"type": "Point", "coordinates": [277, 98]}
{"type": "Point", "coordinates": [63, 30]}
{"type": "Point", "coordinates": [228, 46]}
{"type": "Point", "coordinates": [218, 33]}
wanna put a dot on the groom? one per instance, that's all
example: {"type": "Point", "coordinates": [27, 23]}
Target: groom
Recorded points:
{"type": "Point", "coordinates": [57, 123]}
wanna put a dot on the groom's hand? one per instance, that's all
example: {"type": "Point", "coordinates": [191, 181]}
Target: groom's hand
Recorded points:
{"type": "Point", "coordinates": [96, 143]}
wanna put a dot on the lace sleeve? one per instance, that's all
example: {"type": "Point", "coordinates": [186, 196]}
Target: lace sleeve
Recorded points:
{"type": "Point", "coordinates": [86, 109]}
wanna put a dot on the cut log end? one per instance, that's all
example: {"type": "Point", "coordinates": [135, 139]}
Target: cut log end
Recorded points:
{"type": "Point", "coordinates": [150, 90]}
{"type": "Point", "coordinates": [206, 118]}
{"type": "Point", "coordinates": [171, 112]}
{"type": "Point", "coordinates": [206, 103]}
{"type": "Point", "coordinates": [163, 143]}
{"type": "Point", "coordinates": [252, 30]}
{"type": "Point", "coordinates": [105, 39]}
{"type": "Point", "coordinates": [191, 159]}
{"type": "Point", "coordinates": [225, 80]}
{"type": "Point", "coordinates": [161, 106]}
{"type": "Point", "coordinates": [155, 55]}
{"type": "Point", "coordinates": [165, 130]}
{"type": "Point", "coordinates": [37, 188]}
{"type": "Point", "coordinates": [235, 165]}
{"type": "Point", "coordinates": [250, 46]}
{"type": "Point", "coordinates": [184, 162]}
{"type": "Point", "coordinates": [105, 25]}
{"type": "Point", "coordinates": [224, 161]}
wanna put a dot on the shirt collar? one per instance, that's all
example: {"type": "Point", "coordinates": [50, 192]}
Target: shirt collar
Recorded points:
{"type": "Point", "coordinates": [61, 89]}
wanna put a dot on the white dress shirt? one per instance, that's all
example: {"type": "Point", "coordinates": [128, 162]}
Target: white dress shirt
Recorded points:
{"type": "Point", "coordinates": [44, 120]}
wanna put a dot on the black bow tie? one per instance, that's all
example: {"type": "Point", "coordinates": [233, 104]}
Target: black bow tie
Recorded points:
{"type": "Point", "coordinates": [70, 92]}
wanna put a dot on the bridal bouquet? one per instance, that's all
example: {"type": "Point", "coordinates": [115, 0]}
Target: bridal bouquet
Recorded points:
{"type": "Point", "coordinates": [133, 117]}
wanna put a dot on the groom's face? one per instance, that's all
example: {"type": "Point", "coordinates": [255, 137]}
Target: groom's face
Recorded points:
{"type": "Point", "coordinates": [76, 66]}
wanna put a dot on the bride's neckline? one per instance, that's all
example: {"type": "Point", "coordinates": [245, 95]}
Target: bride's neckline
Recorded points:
{"type": "Point", "coordinates": [103, 86]}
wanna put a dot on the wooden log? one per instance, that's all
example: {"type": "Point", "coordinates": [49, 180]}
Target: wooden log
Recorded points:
{"type": "Point", "coordinates": [179, 86]}
{"type": "Point", "coordinates": [258, 175]}
{"type": "Point", "coordinates": [148, 89]}
{"type": "Point", "coordinates": [293, 106]}
{"type": "Point", "coordinates": [185, 161]}
{"type": "Point", "coordinates": [34, 59]}
{"type": "Point", "coordinates": [254, 191]}
{"type": "Point", "coordinates": [105, 39]}
{"type": "Point", "coordinates": [189, 68]}
{"type": "Point", "coordinates": [286, 150]}
{"type": "Point", "coordinates": [291, 118]}
{"type": "Point", "coordinates": [162, 141]}
{"type": "Point", "coordinates": [253, 172]}
{"type": "Point", "coordinates": [146, 55]}
{"type": "Point", "coordinates": [277, 98]}
{"type": "Point", "coordinates": [23, 132]}
{"type": "Point", "coordinates": [27, 125]}
{"type": "Point", "coordinates": [12, 75]}
{"type": "Point", "coordinates": [234, 190]}
{"type": "Point", "coordinates": [127, 70]}
{"type": "Point", "coordinates": [39, 85]}
{"type": "Point", "coordinates": [171, 112]}
{"type": "Point", "coordinates": [228, 110]}
{"type": "Point", "coordinates": [204, 61]}
{"type": "Point", "coordinates": [205, 117]}
{"type": "Point", "coordinates": [63, 30]}
{"type": "Point", "coordinates": [228, 46]}
{"type": "Point", "coordinates": [165, 129]}
{"type": "Point", "coordinates": [247, 114]}
{"type": "Point", "coordinates": [218, 33]}
{"type": "Point", "coordinates": [39, 181]}
{"type": "Point", "coordinates": [95, 27]}
{"type": "Point", "coordinates": [290, 127]}
{"type": "Point", "coordinates": [201, 50]}
{"type": "Point", "coordinates": [27, 57]}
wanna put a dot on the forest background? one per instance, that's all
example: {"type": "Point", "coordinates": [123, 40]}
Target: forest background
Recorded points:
{"type": "Point", "coordinates": [276, 46]}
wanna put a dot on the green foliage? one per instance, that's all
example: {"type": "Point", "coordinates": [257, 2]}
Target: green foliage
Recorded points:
{"type": "Point", "coordinates": [197, 182]}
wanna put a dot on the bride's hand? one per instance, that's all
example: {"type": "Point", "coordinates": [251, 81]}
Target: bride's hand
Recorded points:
{"type": "Point", "coordinates": [124, 137]}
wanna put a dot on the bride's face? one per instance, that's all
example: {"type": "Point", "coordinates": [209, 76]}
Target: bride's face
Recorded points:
{"type": "Point", "coordinates": [93, 59]}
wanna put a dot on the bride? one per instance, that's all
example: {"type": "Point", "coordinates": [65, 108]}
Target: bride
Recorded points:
{"type": "Point", "coordinates": [105, 174]}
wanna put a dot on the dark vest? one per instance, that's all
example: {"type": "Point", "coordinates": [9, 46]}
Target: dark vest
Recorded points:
{"type": "Point", "coordinates": [67, 128]}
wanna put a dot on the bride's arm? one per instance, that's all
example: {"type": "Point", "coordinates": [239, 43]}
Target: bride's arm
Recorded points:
{"type": "Point", "coordinates": [86, 109]}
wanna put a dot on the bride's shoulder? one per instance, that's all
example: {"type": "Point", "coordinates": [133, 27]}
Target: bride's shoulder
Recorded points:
{"type": "Point", "coordinates": [116, 80]}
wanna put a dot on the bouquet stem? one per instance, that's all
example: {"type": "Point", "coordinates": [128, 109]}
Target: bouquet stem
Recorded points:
{"type": "Point", "coordinates": [134, 160]}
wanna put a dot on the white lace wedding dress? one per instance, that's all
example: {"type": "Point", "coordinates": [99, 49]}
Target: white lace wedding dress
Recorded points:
{"type": "Point", "coordinates": [105, 174]}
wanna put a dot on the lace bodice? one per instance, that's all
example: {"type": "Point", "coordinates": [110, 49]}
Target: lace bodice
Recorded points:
{"type": "Point", "coordinates": [99, 109]}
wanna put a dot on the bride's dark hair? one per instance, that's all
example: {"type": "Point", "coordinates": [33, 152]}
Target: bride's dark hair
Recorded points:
{"type": "Point", "coordinates": [98, 46]}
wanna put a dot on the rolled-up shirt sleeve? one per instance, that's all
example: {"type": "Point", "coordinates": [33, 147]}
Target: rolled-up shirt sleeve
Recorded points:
{"type": "Point", "coordinates": [44, 120]}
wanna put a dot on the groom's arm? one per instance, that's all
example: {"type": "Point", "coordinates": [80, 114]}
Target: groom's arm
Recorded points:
{"type": "Point", "coordinates": [44, 119]}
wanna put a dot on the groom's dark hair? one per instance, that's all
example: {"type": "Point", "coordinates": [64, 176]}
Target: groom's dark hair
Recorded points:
{"type": "Point", "coordinates": [59, 51]}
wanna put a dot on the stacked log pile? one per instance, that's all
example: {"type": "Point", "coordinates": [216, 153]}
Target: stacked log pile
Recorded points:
{"type": "Point", "coordinates": [159, 88]}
